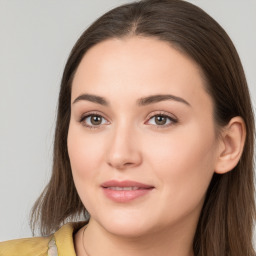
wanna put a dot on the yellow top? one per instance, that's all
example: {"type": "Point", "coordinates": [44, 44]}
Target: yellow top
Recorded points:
{"type": "Point", "coordinates": [59, 244]}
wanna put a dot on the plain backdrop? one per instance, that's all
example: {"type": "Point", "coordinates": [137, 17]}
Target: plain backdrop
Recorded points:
{"type": "Point", "coordinates": [35, 40]}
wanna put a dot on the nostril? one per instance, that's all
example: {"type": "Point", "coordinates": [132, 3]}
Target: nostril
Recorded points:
{"type": "Point", "coordinates": [128, 164]}
{"type": "Point", "coordinates": [121, 165]}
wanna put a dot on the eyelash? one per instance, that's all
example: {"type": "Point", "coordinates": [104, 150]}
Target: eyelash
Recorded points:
{"type": "Point", "coordinates": [173, 120]}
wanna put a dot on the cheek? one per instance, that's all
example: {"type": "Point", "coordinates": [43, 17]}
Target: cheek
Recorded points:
{"type": "Point", "coordinates": [184, 164]}
{"type": "Point", "coordinates": [182, 151]}
{"type": "Point", "coordinates": [84, 153]}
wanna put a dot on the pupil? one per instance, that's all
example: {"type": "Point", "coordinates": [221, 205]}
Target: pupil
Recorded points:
{"type": "Point", "coordinates": [161, 120]}
{"type": "Point", "coordinates": [96, 120]}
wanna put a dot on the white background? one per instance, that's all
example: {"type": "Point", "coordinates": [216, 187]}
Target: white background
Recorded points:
{"type": "Point", "coordinates": [35, 40]}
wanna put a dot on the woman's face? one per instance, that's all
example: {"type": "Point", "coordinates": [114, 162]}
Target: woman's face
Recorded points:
{"type": "Point", "coordinates": [142, 141]}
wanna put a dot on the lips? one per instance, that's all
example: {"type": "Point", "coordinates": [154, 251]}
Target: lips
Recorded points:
{"type": "Point", "coordinates": [125, 191]}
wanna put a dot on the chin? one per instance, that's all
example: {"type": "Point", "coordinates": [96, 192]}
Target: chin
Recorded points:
{"type": "Point", "coordinates": [126, 230]}
{"type": "Point", "coordinates": [125, 226]}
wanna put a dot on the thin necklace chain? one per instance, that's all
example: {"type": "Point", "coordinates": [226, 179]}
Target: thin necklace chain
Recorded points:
{"type": "Point", "coordinates": [86, 253]}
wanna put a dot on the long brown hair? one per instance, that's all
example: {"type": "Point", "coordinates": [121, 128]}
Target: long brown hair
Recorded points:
{"type": "Point", "coordinates": [226, 223]}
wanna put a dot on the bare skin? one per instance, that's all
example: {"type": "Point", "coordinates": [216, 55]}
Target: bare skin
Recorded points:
{"type": "Point", "coordinates": [170, 144]}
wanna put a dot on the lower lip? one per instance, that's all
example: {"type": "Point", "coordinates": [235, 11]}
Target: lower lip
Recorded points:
{"type": "Point", "coordinates": [123, 196]}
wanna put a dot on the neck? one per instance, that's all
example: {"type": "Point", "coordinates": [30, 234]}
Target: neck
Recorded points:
{"type": "Point", "coordinates": [176, 241]}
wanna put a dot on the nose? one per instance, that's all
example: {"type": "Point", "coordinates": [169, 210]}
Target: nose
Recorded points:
{"type": "Point", "coordinates": [123, 150]}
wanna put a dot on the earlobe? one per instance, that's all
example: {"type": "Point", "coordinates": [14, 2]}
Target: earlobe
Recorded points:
{"type": "Point", "coordinates": [231, 145]}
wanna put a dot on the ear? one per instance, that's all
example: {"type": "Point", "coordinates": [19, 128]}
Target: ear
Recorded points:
{"type": "Point", "coordinates": [231, 145]}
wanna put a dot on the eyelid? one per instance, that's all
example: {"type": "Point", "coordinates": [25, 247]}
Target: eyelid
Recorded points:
{"type": "Point", "coordinates": [96, 113]}
{"type": "Point", "coordinates": [163, 113]}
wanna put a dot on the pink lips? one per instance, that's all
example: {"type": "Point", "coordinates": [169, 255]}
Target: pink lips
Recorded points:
{"type": "Point", "coordinates": [125, 191]}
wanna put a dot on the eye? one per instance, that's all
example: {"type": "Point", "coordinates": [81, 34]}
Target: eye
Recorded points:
{"type": "Point", "coordinates": [93, 121]}
{"type": "Point", "coordinates": [162, 120]}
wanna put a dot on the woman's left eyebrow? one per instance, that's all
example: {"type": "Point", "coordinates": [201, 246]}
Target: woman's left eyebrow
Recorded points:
{"type": "Point", "coordinates": [140, 102]}
{"type": "Point", "coordinates": [160, 97]}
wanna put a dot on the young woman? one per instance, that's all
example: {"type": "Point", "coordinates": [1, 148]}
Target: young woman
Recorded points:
{"type": "Point", "coordinates": [154, 141]}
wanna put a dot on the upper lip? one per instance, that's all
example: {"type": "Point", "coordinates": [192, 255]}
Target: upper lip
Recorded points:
{"type": "Point", "coordinates": [125, 183]}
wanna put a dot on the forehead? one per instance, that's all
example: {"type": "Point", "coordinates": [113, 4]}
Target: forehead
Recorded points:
{"type": "Point", "coordinates": [138, 66]}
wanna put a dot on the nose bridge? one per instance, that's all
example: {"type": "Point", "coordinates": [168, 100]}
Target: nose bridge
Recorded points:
{"type": "Point", "coordinates": [123, 149]}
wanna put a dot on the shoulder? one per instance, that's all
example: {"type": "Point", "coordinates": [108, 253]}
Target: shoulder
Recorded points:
{"type": "Point", "coordinates": [60, 243]}
{"type": "Point", "coordinates": [36, 246]}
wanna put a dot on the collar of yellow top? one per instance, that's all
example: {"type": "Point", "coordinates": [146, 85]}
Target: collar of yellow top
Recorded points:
{"type": "Point", "coordinates": [64, 238]}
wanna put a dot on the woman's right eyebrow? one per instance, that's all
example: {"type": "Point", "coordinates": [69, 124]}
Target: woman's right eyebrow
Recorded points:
{"type": "Point", "coordinates": [93, 98]}
{"type": "Point", "coordinates": [140, 102]}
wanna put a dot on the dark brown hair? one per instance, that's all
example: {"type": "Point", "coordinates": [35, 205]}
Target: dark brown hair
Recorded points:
{"type": "Point", "coordinates": [226, 223]}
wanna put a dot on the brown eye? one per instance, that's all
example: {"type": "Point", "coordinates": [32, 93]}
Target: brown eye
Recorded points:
{"type": "Point", "coordinates": [160, 120]}
{"type": "Point", "coordinates": [95, 120]}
